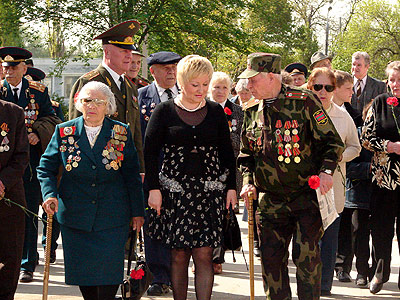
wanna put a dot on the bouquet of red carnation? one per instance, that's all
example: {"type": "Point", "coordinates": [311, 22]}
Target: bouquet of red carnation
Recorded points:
{"type": "Point", "coordinates": [393, 101]}
{"type": "Point", "coordinates": [314, 182]}
{"type": "Point", "coordinates": [227, 111]}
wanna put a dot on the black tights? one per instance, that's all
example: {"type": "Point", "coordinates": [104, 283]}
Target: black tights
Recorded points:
{"type": "Point", "coordinates": [204, 276]}
{"type": "Point", "coordinates": [99, 292]}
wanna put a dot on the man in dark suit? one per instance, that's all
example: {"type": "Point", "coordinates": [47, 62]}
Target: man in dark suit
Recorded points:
{"type": "Point", "coordinates": [365, 88]}
{"type": "Point", "coordinates": [164, 88]}
{"type": "Point", "coordinates": [14, 157]}
{"type": "Point", "coordinates": [117, 56]}
{"type": "Point", "coordinates": [34, 98]}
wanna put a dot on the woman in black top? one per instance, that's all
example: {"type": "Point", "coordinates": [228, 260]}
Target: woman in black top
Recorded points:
{"type": "Point", "coordinates": [197, 177]}
{"type": "Point", "coordinates": [381, 135]}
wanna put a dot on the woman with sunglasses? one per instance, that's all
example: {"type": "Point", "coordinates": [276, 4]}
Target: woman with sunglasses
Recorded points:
{"type": "Point", "coordinates": [322, 82]}
{"type": "Point", "coordinates": [99, 194]}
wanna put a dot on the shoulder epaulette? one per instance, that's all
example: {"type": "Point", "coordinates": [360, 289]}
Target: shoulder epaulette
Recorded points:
{"type": "Point", "coordinates": [92, 74]}
{"type": "Point", "coordinates": [297, 94]}
{"type": "Point", "coordinates": [55, 103]}
{"type": "Point", "coordinates": [37, 86]}
{"type": "Point", "coordinates": [142, 81]}
{"type": "Point", "coordinates": [250, 103]}
{"type": "Point", "coordinates": [129, 83]}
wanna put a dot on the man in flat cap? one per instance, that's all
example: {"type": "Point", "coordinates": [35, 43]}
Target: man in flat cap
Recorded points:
{"type": "Point", "coordinates": [298, 72]}
{"type": "Point", "coordinates": [134, 69]}
{"type": "Point", "coordinates": [117, 57]}
{"type": "Point", "coordinates": [320, 60]}
{"type": "Point", "coordinates": [286, 138]}
{"type": "Point", "coordinates": [34, 98]}
{"type": "Point", "coordinates": [163, 68]}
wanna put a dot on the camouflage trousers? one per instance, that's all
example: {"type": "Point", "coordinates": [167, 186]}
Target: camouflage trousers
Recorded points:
{"type": "Point", "coordinates": [278, 220]}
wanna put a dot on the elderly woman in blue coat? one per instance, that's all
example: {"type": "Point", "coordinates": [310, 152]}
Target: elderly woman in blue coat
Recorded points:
{"type": "Point", "coordinates": [100, 192]}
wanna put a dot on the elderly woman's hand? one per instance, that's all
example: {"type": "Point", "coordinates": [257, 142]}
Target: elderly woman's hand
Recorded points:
{"type": "Point", "coordinates": [231, 198]}
{"type": "Point", "coordinates": [137, 223]}
{"type": "Point", "coordinates": [155, 200]}
{"type": "Point", "coordinates": [47, 205]}
{"type": "Point", "coordinates": [393, 147]}
{"type": "Point", "coordinates": [246, 190]}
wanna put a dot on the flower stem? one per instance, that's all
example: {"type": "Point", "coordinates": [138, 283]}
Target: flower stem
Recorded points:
{"type": "Point", "coordinates": [26, 211]}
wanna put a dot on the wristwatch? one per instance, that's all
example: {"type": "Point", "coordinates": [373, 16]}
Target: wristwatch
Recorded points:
{"type": "Point", "coordinates": [327, 171]}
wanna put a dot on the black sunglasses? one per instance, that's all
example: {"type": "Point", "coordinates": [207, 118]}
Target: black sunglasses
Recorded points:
{"type": "Point", "coordinates": [329, 88]}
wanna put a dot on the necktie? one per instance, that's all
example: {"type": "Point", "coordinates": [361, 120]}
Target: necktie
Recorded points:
{"type": "Point", "coordinates": [358, 92]}
{"type": "Point", "coordinates": [169, 93]}
{"type": "Point", "coordinates": [122, 87]}
{"type": "Point", "coordinates": [16, 94]}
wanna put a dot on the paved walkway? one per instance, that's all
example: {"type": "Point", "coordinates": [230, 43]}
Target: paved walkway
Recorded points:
{"type": "Point", "coordinates": [232, 284]}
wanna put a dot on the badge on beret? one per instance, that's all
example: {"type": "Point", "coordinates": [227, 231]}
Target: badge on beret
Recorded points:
{"type": "Point", "coordinates": [320, 117]}
{"type": "Point", "coordinates": [65, 131]}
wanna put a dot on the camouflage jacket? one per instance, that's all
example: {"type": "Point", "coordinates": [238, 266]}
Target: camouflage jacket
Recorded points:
{"type": "Point", "coordinates": [287, 141]}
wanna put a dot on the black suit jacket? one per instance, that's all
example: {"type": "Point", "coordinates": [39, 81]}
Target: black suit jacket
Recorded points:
{"type": "Point", "coordinates": [372, 88]}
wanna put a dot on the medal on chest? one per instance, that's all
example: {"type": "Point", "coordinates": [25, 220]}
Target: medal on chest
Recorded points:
{"type": "Point", "coordinates": [31, 113]}
{"type": "Point", "coordinates": [287, 144]}
{"type": "Point", "coordinates": [113, 151]}
{"type": "Point", "coordinates": [4, 147]}
{"type": "Point", "coordinates": [68, 144]}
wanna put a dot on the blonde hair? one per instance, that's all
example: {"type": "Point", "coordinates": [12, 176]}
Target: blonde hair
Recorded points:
{"type": "Point", "coordinates": [192, 66]}
{"type": "Point", "coordinates": [393, 66]}
{"type": "Point", "coordinates": [220, 76]}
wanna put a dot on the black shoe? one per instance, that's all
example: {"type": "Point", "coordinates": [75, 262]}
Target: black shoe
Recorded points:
{"type": "Point", "coordinates": [26, 276]}
{"type": "Point", "coordinates": [375, 286]}
{"type": "Point", "coordinates": [158, 289]}
{"type": "Point", "coordinates": [325, 293]}
{"type": "Point", "coordinates": [52, 257]}
{"type": "Point", "coordinates": [361, 280]}
{"type": "Point", "coordinates": [343, 276]}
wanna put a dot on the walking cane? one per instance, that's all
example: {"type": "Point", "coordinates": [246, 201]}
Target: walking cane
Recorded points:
{"type": "Point", "coordinates": [46, 272]}
{"type": "Point", "coordinates": [250, 223]}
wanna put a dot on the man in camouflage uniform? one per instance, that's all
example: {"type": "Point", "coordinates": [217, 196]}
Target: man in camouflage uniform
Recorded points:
{"type": "Point", "coordinates": [286, 138]}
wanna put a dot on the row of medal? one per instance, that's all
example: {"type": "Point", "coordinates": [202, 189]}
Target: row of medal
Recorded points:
{"type": "Point", "coordinates": [4, 147]}
{"type": "Point", "coordinates": [144, 111]}
{"type": "Point", "coordinates": [287, 144]}
{"type": "Point", "coordinates": [73, 158]}
{"type": "Point", "coordinates": [113, 151]}
{"type": "Point", "coordinates": [31, 113]}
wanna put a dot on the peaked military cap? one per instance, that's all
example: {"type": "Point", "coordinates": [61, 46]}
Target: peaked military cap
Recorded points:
{"type": "Point", "coordinates": [137, 52]}
{"type": "Point", "coordinates": [261, 62]}
{"type": "Point", "coordinates": [35, 73]}
{"type": "Point", "coordinates": [296, 68]}
{"type": "Point", "coordinates": [163, 58]}
{"type": "Point", "coordinates": [121, 35]}
{"type": "Point", "coordinates": [12, 56]}
{"type": "Point", "coordinates": [318, 56]}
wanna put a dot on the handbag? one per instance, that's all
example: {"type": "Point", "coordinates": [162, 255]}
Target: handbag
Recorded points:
{"type": "Point", "coordinates": [138, 279]}
{"type": "Point", "coordinates": [231, 232]}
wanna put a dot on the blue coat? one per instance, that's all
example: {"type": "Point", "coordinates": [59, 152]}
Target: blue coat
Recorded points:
{"type": "Point", "coordinates": [148, 98]}
{"type": "Point", "coordinates": [90, 196]}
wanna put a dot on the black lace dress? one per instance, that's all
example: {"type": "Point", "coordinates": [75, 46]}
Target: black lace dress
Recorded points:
{"type": "Point", "coordinates": [198, 167]}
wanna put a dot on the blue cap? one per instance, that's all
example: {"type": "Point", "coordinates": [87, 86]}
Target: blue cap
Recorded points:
{"type": "Point", "coordinates": [12, 56]}
{"type": "Point", "coordinates": [296, 68]}
{"type": "Point", "coordinates": [163, 58]}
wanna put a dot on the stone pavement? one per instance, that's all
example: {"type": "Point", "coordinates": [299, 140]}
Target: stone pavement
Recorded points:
{"type": "Point", "coordinates": [232, 284]}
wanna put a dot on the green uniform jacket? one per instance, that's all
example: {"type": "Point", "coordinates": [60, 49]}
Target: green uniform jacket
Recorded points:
{"type": "Point", "coordinates": [287, 141]}
{"type": "Point", "coordinates": [127, 112]}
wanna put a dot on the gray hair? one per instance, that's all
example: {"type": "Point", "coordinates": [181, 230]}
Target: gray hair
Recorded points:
{"type": "Point", "coordinates": [103, 89]}
{"type": "Point", "coordinates": [393, 66]}
{"type": "Point", "coordinates": [241, 85]}
{"type": "Point", "coordinates": [360, 54]}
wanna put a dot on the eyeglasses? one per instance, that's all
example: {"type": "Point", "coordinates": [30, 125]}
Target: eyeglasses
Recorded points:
{"type": "Point", "coordinates": [97, 102]}
{"type": "Point", "coordinates": [329, 88]}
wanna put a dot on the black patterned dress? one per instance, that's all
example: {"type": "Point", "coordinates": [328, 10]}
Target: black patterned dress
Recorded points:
{"type": "Point", "coordinates": [198, 167]}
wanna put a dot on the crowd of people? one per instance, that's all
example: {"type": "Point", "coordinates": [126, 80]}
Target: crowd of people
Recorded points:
{"type": "Point", "coordinates": [173, 156]}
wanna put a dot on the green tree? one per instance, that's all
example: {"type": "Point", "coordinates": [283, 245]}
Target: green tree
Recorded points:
{"type": "Point", "coordinates": [10, 25]}
{"type": "Point", "coordinates": [374, 28]}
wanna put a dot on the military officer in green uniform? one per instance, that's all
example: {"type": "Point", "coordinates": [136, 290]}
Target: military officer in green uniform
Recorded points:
{"type": "Point", "coordinates": [117, 56]}
{"type": "Point", "coordinates": [33, 97]}
{"type": "Point", "coordinates": [133, 72]}
{"type": "Point", "coordinates": [286, 137]}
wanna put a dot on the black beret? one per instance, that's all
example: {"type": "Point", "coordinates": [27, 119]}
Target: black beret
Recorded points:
{"type": "Point", "coordinates": [12, 56]}
{"type": "Point", "coordinates": [296, 68]}
{"type": "Point", "coordinates": [35, 73]}
{"type": "Point", "coordinates": [163, 58]}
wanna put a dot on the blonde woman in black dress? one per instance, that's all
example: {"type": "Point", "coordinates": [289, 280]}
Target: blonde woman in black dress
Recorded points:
{"type": "Point", "coordinates": [197, 177]}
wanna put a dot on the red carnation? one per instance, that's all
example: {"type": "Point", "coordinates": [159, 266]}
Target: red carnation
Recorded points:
{"type": "Point", "coordinates": [227, 111]}
{"type": "Point", "coordinates": [313, 182]}
{"type": "Point", "coordinates": [137, 274]}
{"type": "Point", "coordinates": [392, 101]}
